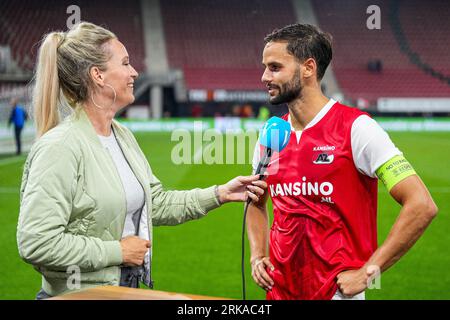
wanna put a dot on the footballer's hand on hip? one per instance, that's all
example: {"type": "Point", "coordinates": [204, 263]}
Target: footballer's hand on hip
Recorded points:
{"type": "Point", "coordinates": [242, 188]}
{"type": "Point", "coordinates": [259, 273]}
{"type": "Point", "coordinates": [352, 282]}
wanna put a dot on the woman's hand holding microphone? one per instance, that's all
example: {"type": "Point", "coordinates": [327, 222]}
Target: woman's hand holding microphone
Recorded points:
{"type": "Point", "coordinates": [238, 189]}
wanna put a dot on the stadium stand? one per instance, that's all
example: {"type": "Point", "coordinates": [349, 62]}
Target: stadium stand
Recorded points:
{"type": "Point", "coordinates": [218, 44]}
{"type": "Point", "coordinates": [9, 89]}
{"type": "Point", "coordinates": [407, 27]}
{"type": "Point", "coordinates": [123, 17]}
{"type": "Point", "coordinates": [422, 36]}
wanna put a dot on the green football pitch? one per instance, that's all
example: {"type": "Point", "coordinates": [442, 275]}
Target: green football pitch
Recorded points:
{"type": "Point", "coordinates": [203, 256]}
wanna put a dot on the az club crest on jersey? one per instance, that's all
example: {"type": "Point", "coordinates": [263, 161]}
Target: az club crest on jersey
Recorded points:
{"type": "Point", "coordinates": [323, 158]}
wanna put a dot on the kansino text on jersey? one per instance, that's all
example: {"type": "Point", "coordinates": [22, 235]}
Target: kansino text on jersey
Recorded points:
{"type": "Point", "coordinates": [324, 148]}
{"type": "Point", "coordinates": [301, 188]}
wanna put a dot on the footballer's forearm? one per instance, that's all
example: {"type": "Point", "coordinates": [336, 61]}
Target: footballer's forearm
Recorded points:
{"type": "Point", "coordinates": [418, 210]}
{"type": "Point", "coordinates": [408, 228]}
{"type": "Point", "coordinates": [258, 230]}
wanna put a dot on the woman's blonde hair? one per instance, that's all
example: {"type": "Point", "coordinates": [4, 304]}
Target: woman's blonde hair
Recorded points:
{"type": "Point", "coordinates": [62, 73]}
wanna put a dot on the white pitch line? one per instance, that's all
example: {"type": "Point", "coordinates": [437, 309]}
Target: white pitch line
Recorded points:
{"type": "Point", "coordinates": [6, 161]}
{"type": "Point", "coordinates": [9, 190]}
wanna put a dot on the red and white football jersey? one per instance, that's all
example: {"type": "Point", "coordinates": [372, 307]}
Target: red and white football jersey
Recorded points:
{"type": "Point", "coordinates": [325, 208]}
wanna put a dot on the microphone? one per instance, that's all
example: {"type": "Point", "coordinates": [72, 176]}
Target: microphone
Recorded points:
{"type": "Point", "coordinates": [274, 136]}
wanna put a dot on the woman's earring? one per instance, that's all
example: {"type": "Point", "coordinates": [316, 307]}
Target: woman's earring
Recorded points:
{"type": "Point", "coordinates": [114, 100]}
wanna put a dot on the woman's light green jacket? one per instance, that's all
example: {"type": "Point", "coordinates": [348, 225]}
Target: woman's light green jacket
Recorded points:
{"type": "Point", "coordinates": [73, 207]}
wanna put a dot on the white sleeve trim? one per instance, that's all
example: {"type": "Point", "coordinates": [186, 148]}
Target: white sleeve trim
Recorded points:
{"type": "Point", "coordinates": [371, 145]}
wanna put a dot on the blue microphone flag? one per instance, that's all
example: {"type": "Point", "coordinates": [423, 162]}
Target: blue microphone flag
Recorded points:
{"type": "Point", "coordinates": [275, 134]}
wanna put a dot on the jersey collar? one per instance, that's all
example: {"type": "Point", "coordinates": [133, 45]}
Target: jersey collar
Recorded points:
{"type": "Point", "coordinates": [318, 116]}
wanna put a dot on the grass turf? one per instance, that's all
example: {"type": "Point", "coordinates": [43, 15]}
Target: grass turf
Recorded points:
{"type": "Point", "coordinates": [203, 257]}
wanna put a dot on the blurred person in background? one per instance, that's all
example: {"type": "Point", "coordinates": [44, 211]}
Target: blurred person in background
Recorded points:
{"type": "Point", "coordinates": [263, 113]}
{"type": "Point", "coordinates": [247, 111]}
{"type": "Point", "coordinates": [17, 118]}
{"type": "Point", "coordinates": [236, 110]}
{"type": "Point", "coordinates": [89, 198]}
{"type": "Point", "coordinates": [196, 111]}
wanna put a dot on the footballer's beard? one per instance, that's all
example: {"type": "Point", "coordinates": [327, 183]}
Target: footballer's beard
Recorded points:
{"type": "Point", "coordinates": [289, 91]}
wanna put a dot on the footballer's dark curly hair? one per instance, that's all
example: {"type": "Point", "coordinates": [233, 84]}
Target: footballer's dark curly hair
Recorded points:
{"type": "Point", "coordinates": [305, 41]}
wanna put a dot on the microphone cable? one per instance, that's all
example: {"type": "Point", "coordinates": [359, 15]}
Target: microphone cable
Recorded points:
{"type": "Point", "coordinates": [259, 170]}
{"type": "Point", "coordinates": [243, 250]}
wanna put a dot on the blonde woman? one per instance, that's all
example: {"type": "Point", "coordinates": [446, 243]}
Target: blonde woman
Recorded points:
{"type": "Point", "coordinates": [89, 198]}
